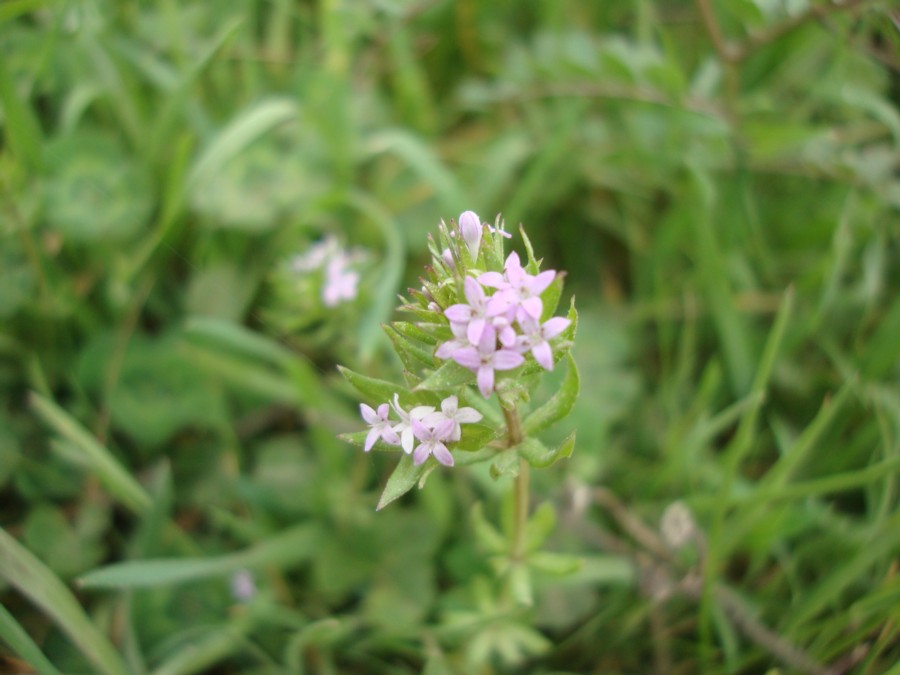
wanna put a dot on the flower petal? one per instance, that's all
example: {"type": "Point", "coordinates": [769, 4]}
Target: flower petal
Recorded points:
{"type": "Point", "coordinates": [368, 414]}
{"type": "Point", "coordinates": [553, 327]}
{"type": "Point", "coordinates": [493, 280]}
{"type": "Point", "coordinates": [538, 284]}
{"type": "Point", "coordinates": [442, 454]}
{"type": "Point", "coordinates": [421, 453]}
{"type": "Point", "coordinates": [467, 357]}
{"type": "Point", "coordinates": [485, 380]}
{"type": "Point", "coordinates": [543, 355]}
{"type": "Point", "coordinates": [458, 313]}
{"type": "Point", "coordinates": [371, 437]}
{"type": "Point", "coordinates": [468, 415]}
{"type": "Point", "coordinates": [505, 359]}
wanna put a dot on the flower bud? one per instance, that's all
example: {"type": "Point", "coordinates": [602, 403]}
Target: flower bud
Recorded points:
{"type": "Point", "coordinates": [470, 229]}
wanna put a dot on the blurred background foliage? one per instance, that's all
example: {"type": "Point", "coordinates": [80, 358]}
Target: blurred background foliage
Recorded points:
{"type": "Point", "coordinates": [721, 181]}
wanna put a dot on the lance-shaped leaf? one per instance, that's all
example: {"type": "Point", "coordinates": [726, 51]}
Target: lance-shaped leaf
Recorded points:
{"type": "Point", "coordinates": [359, 438]}
{"type": "Point", "coordinates": [557, 564]}
{"type": "Point", "coordinates": [404, 479]}
{"type": "Point", "coordinates": [475, 437]}
{"type": "Point", "coordinates": [488, 535]}
{"type": "Point", "coordinates": [373, 390]}
{"type": "Point", "coordinates": [537, 455]}
{"type": "Point", "coordinates": [448, 376]}
{"type": "Point", "coordinates": [507, 462]}
{"type": "Point", "coordinates": [559, 405]}
{"type": "Point", "coordinates": [411, 352]}
{"type": "Point", "coordinates": [551, 295]}
{"type": "Point", "coordinates": [415, 332]}
{"type": "Point", "coordinates": [533, 265]}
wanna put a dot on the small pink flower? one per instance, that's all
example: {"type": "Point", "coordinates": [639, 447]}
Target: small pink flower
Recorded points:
{"type": "Point", "coordinates": [404, 427]}
{"type": "Point", "coordinates": [486, 358]}
{"type": "Point", "coordinates": [380, 425]}
{"type": "Point", "coordinates": [475, 314]}
{"type": "Point", "coordinates": [450, 410]}
{"type": "Point", "coordinates": [432, 442]}
{"type": "Point", "coordinates": [536, 337]}
{"type": "Point", "coordinates": [519, 288]}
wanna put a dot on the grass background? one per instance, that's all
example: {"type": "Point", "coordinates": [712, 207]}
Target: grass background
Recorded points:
{"type": "Point", "coordinates": [720, 182]}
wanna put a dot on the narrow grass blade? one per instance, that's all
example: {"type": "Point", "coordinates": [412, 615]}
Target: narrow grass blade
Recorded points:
{"type": "Point", "coordinates": [20, 125]}
{"type": "Point", "coordinates": [111, 473]}
{"type": "Point", "coordinates": [240, 133]}
{"type": "Point", "coordinates": [21, 643]}
{"type": "Point", "coordinates": [289, 548]}
{"type": "Point", "coordinates": [383, 303]}
{"type": "Point", "coordinates": [199, 656]}
{"type": "Point", "coordinates": [34, 580]}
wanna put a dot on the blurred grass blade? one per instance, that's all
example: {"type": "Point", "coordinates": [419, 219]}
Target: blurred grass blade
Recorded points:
{"type": "Point", "coordinates": [392, 272]}
{"type": "Point", "coordinates": [419, 156]}
{"type": "Point", "coordinates": [34, 580]}
{"type": "Point", "coordinates": [20, 126]}
{"type": "Point", "coordinates": [21, 643]}
{"type": "Point", "coordinates": [747, 428]}
{"type": "Point", "coordinates": [111, 473]}
{"type": "Point", "coordinates": [239, 134]}
{"type": "Point", "coordinates": [200, 655]}
{"type": "Point", "coordinates": [283, 550]}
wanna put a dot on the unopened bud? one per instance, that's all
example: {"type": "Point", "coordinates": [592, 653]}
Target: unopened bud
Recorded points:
{"type": "Point", "coordinates": [470, 229]}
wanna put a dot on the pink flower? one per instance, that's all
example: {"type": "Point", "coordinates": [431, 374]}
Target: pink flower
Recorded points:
{"type": "Point", "coordinates": [486, 358]}
{"type": "Point", "coordinates": [380, 426]}
{"type": "Point", "coordinates": [340, 282]}
{"type": "Point", "coordinates": [475, 314]}
{"type": "Point", "coordinates": [432, 442]}
{"type": "Point", "coordinates": [519, 287]}
{"type": "Point", "coordinates": [536, 337]}
{"type": "Point", "coordinates": [450, 410]}
{"type": "Point", "coordinates": [404, 427]}
{"type": "Point", "coordinates": [445, 350]}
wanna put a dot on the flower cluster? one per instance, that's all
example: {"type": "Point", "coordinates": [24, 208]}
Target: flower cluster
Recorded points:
{"type": "Point", "coordinates": [497, 331]}
{"type": "Point", "coordinates": [422, 431]}
{"type": "Point", "coordinates": [340, 280]}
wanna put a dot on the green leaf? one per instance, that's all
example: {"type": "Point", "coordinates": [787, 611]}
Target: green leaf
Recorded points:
{"type": "Point", "coordinates": [559, 405]}
{"type": "Point", "coordinates": [283, 550]}
{"type": "Point", "coordinates": [475, 437]}
{"type": "Point", "coordinates": [21, 643]}
{"type": "Point", "coordinates": [540, 526]}
{"type": "Point", "coordinates": [359, 438]}
{"type": "Point", "coordinates": [531, 265]}
{"type": "Point", "coordinates": [448, 376]}
{"type": "Point", "coordinates": [32, 578]}
{"type": "Point", "coordinates": [412, 353]}
{"type": "Point", "coordinates": [109, 471]}
{"type": "Point", "coordinates": [537, 455]}
{"type": "Point", "coordinates": [22, 131]}
{"type": "Point", "coordinates": [551, 295]}
{"type": "Point", "coordinates": [506, 463]}
{"type": "Point", "coordinates": [239, 134]}
{"type": "Point", "coordinates": [489, 536]}
{"type": "Point", "coordinates": [404, 479]}
{"type": "Point", "coordinates": [373, 390]}
{"type": "Point", "coordinates": [558, 564]}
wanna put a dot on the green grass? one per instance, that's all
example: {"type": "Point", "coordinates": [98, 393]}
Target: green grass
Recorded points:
{"type": "Point", "coordinates": [169, 398]}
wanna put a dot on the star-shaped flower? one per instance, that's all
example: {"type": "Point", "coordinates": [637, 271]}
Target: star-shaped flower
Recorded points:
{"type": "Point", "coordinates": [380, 425]}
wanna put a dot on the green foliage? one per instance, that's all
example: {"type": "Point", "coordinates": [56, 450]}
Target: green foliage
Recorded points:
{"type": "Point", "coordinates": [725, 211]}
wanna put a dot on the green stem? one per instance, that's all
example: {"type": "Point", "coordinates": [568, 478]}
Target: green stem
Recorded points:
{"type": "Point", "coordinates": [520, 487]}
